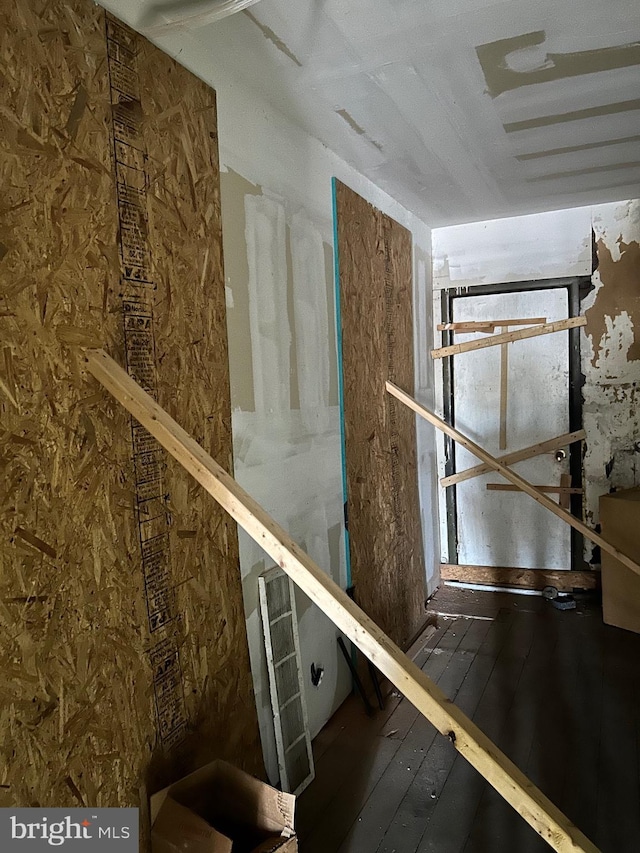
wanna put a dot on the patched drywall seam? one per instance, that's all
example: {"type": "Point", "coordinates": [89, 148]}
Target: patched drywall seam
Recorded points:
{"type": "Point", "coordinates": [233, 189]}
{"type": "Point", "coordinates": [353, 124]}
{"type": "Point", "coordinates": [573, 115]}
{"type": "Point", "coordinates": [269, 319]}
{"type": "Point", "coordinates": [610, 352]}
{"type": "Point", "coordinates": [521, 60]}
{"type": "Point", "coordinates": [583, 146]}
{"type": "Point", "coordinates": [275, 40]}
{"type": "Point", "coordinates": [312, 322]}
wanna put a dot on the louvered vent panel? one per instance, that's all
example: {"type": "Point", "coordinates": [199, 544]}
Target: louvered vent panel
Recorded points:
{"type": "Point", "coordinates": [280, 625]}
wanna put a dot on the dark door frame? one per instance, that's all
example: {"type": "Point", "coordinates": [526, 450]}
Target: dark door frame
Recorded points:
{"type": "Point", "coordinates": [577, 287]}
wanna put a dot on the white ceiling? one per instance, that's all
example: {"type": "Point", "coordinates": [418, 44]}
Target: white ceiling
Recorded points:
{"type": "Point", "coordinates": [416, 95]}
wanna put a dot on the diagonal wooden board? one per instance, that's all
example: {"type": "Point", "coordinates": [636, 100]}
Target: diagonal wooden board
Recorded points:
{"type": "Point", "coordinates": [516, 456]}
{"type": "Point", "coordinates": [549, 490]}
{"type": "Point", "coordinates": [547, 820]}
{"type": "Point", "coordinates": [514, 478]}
{"type": "Point", "coordinates": [508, 337]}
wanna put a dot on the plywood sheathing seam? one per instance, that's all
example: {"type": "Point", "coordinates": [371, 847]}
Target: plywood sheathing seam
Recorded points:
{"type": "Point", "coordinates": [77, 717]}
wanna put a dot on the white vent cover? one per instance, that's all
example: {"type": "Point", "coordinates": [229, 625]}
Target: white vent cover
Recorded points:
{"type": "Point", "coordinates": [187, 14]}
{"type": "Point", "coordinates": [280, 625]}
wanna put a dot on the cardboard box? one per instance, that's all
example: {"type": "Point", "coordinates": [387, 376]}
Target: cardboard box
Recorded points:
{"type": "Point", "coordinates": [220, 809]}
{"type": "Point", "coordinates": [620, 524]}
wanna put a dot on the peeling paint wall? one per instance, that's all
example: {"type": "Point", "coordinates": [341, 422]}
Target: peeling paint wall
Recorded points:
{"type": "Point", "coordinates": [560, 244]}
{"type": "Point", "coordinates": [611, 355]}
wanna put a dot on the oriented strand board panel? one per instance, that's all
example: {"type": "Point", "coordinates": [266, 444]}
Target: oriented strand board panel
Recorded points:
{"type": "Point", "coordinates": [385, 535]}
{"type": "Point", "coordinates": [123, 652]}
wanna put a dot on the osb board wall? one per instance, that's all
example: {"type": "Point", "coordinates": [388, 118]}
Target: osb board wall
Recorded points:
{"type": "Point", "coordinates": [385, 536]}
{"type": "Point", "coordinates": [77, 705]}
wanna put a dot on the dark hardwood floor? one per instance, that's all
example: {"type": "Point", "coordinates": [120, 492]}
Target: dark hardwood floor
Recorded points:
{"type": "Point", "coordinates": [558, 692]}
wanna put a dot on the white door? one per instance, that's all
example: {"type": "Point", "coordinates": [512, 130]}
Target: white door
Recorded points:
{"type": "Point", "coordinates": [506, 528]}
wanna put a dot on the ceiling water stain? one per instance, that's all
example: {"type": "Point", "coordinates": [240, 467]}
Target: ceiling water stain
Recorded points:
{"type": "Point", "coordinates": [518, 61]}
{"type": "Point", "coordinates": [620, 292]}
{"type": "Point", "coordinates": [574, 115]}
{"type": "Point", "coordinates": [269, 34]}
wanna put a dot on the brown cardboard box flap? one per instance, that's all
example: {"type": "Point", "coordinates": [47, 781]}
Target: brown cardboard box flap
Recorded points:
{"type": "Point", "coordinates": [178, 829]}
{"type": "Point", "coordinates": [238, 806]}
{"type": "Point", "coordinates": [620, 522]}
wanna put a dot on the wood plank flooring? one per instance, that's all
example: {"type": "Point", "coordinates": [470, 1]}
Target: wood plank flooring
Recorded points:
{"type": "Point", "coordinates": [559, 692]}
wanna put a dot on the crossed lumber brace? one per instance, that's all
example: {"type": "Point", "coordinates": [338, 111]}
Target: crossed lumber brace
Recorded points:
{"type": "Point", "coordinates": [516, 479]}
{"type": "Point", "coordinates": [469, 740]}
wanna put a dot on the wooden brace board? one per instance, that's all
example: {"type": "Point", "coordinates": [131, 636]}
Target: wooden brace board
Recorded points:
{"type": "Point", "coordinates": [563, 580]}
{"type": "Point", "coordinates": [508, 337]}
{"type": "Point", "coordinates": [468, 739]}
{"type": "Point", "coordinates": [514, 478]}
{"type": "Point", "coordinates": [550, 490]}
{"type": "Point", "coordinates": [516, 456]}
{"type": "Point", "coordinates": [488, 325]}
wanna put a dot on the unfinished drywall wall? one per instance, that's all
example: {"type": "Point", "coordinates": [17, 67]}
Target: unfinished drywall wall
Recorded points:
{"type": "Point", "coordinates": [97, 705]}
{"type": "Point", "coordinates": [286, 435]}
{"type": "Point", "coordinates": [291, 462]}
{"type": "Point", "coordinates": [558, 244]}
{"type": "Point", "coordinates": [376, 308]}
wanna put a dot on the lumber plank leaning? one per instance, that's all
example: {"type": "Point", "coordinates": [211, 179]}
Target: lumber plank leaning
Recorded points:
{"type": "Point", "coordinates": [514, 478]}
{"type": "Point", "coordinates": [549, 490]}
{"type": "Point", "coordinates": [562, 579]}
{"type": "Point", "coordinates": [488, 325]}
{"type": "Point", "coordinates": [516, 456]}
{"type": "Point", "coordinates": [468, 739]}
{"type": "Point", "coordinates": [508, 337]}
{"type": "Point", "coordinates": [504, 385]}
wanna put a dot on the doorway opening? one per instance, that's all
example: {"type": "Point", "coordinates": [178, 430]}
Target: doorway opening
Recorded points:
{"type": "Point", "coordinates": [506, 404]}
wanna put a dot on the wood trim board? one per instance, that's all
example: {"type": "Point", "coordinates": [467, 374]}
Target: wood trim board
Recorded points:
{"type": "Point", "coordinates": [547, 820]}
{"type": "Point", "coordinates": [550, 490]}
{"type": "Point", "coordinates": [516, 456]}
{"type": "Point", "coordinates": [504, 386]}
{"type": "Point", "coordinates": [563, 579]}
{"type": "Point", "coordinates": [509, 337]}
{"type": "Point", "coordinates": [488, 325]}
